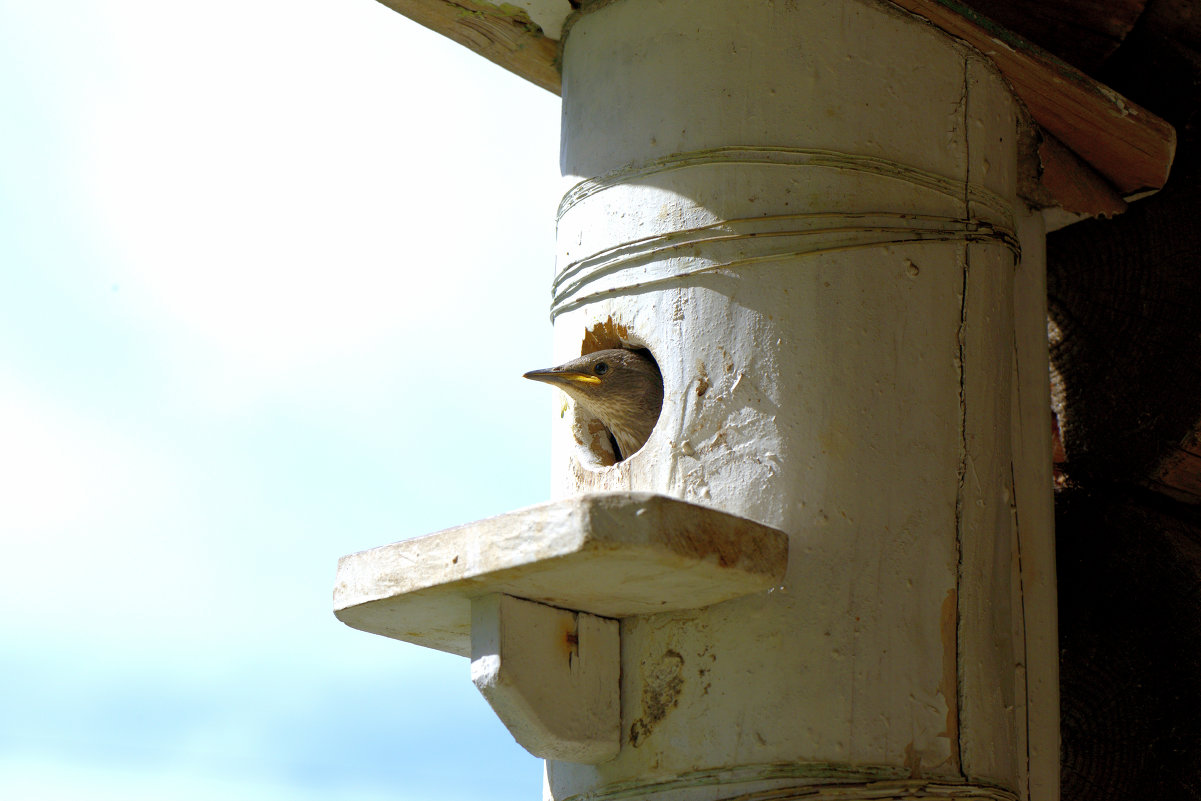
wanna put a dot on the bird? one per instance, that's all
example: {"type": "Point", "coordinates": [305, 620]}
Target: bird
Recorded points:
{"type": "Point", "coordinates": [621, 388]}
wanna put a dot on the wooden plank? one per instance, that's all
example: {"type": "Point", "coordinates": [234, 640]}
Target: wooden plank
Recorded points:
{"type": "Point", "coordinates": [1131, 147]}
{"type": "Point", "coordinates": [609, 554]}
{"type": "Point", "coordinates": [502, 34]}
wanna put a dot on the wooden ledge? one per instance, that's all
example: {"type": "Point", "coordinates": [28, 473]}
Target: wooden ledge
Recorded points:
{"type": "Point", "coordinates": [1127, 147]}
{"type": "Point", "coordinates": [611, 555]}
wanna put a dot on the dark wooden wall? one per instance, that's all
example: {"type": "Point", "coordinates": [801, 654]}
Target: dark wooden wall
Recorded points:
{"type": "Point", "coordinates": [1125, 312]}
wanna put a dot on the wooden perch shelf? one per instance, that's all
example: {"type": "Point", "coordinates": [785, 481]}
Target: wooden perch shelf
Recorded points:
{"type": "Point", "coordinates": [611, 555]}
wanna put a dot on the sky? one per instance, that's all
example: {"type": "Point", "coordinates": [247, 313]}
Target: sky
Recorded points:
{"type": "Point", "coordinates": [270, 273]}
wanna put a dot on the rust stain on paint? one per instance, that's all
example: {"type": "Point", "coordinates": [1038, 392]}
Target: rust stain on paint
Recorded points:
{"type": "Point", "coordinates": [662, 685]}
{"type": "Point", "coordinates": [913, 761]}
{"type": "Point", "coordinates": [949, 687]}
{"type": "Point", "coordinates": [569, 637]}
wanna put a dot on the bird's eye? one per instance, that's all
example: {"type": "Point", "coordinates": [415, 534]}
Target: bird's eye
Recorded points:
{"type": "Point", "coordinates": [601, 368]}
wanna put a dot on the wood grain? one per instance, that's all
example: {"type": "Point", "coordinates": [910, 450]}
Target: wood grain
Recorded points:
{"type": "Point", "coordinates": [1073, 185]}
{"type": "Point", "coordinates": [510, 40]}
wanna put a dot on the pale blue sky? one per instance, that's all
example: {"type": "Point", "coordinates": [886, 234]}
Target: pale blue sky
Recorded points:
{"type": "Point", "coordinates": [270, 271]}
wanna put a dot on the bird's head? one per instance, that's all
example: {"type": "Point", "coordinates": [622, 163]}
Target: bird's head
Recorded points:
{"type": "Point", "coordinates": [622, 388]}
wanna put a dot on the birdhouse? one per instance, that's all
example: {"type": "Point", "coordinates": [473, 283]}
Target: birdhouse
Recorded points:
{"type": "Point", "coordinates": [829, 569]}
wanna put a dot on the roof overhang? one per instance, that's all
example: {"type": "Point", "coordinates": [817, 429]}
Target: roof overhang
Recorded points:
{"type": "Point", "coordinates": [1096, 150]}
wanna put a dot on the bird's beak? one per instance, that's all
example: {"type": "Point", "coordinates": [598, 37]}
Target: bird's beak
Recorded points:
{"type": "Point", "coordinates": [565, 377]}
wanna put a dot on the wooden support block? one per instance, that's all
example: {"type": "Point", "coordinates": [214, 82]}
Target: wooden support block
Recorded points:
{"type": "Point", "coordinates": [552, 676]}
{"type": "Point", "coordinates": [1074, 186]}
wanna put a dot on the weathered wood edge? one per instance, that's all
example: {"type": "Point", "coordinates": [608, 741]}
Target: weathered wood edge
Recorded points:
{"type": "Point", "coordinates": [503, 35]}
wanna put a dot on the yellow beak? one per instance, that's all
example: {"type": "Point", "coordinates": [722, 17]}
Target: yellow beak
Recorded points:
{"type": "Point", "coordinates": [562, 377]}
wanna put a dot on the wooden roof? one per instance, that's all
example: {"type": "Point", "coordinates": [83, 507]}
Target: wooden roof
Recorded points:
{"type": "Point", "coordinates": [1098, 147]}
